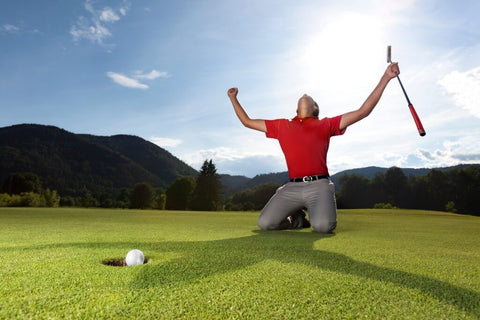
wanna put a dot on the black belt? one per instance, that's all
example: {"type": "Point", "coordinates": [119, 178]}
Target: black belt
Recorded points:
{"type": "Point", "coordinates": [309, 178]}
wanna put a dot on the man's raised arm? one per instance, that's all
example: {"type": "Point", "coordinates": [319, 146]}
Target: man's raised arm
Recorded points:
{"type": "Point", "coordinates": [256, 124]}
{"type": "Point", "coordinates": [372, 100]}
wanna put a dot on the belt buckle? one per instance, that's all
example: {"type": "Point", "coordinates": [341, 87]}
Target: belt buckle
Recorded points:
{"type": "Point", "coordinates": [307, 179]}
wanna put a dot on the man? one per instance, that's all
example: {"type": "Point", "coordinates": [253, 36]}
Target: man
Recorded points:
{"type": "Point", "coordinates": [304, 141]}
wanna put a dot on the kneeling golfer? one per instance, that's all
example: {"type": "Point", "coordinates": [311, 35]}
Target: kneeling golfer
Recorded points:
{"type": "Point", "coordinates": [304, 141]}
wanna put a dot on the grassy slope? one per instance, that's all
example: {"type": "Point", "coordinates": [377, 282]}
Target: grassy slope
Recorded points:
{"type": "Point", "coordinates": [378, 264]}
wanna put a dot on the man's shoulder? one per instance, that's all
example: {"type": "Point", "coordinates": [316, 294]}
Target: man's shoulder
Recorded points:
{"type": "Point", "coordinates": [330, 119]}
{"type": "Point", "coordinates": [278, 120]}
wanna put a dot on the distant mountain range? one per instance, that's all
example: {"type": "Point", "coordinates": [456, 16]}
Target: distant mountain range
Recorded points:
{"type": "Point", "coordinates": [238, 183]}
{"type": "Point", "coordinates": [74, 163]}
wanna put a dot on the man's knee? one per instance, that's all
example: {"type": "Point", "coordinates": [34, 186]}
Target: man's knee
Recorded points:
{"type": "Point", "coordinates": [263, 224]}
{"type": "Point", "coordinates": [324, 227]}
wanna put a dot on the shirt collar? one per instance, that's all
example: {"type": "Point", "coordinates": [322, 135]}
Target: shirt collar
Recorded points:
{"type": "Point", "coordinates": [297, 119]}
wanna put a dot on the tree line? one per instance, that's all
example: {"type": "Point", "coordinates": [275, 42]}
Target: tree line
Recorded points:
{"type": "Point", "coordinates": [204, 192]}
{"type": "Point", "coordinates": [455, 190]}
{"type": "Point", "coordinates": [24, 190]}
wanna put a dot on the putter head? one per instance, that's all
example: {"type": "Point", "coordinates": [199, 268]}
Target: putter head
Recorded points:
{"type": "Point", "coordinates": [389, 54]}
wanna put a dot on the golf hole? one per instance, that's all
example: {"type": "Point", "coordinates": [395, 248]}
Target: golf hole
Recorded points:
{"type": "Point", "coordinates": [119, 262]}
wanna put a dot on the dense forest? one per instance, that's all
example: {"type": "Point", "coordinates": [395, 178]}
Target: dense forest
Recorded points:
{"type": "Point", "coordinates": [455, 190]}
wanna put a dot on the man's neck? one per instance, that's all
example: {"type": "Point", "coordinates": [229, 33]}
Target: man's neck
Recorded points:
{"type": "Point", "coordinates": [306, 117]}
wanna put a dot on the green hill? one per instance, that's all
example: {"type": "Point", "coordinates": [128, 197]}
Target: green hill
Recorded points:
{"type": "Point", "coordinates": [73, 163]}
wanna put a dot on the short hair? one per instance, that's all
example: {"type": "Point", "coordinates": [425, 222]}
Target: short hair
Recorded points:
{"type": "Point", "coordinates": [316, 112]}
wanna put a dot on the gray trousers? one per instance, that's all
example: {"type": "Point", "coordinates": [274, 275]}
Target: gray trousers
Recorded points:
{"type": "Point", "coordinates": [317, 196]}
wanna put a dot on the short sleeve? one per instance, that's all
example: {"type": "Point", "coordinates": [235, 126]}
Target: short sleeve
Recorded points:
{"type": "Point", "coordinates": [335, 126]}
{"type": "Point", "coordinates": [272, 128]}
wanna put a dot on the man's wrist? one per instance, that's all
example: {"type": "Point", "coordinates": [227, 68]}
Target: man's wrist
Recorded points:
{"type": "Point", "coordinates": [386, 79]}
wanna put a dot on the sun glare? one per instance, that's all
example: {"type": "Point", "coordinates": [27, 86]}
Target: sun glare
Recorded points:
{"type": "Point", "coordinates": [342, 52]}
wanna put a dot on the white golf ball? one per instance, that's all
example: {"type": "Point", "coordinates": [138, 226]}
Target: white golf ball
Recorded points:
{"type": "Point", "coordinates": [134, 257]}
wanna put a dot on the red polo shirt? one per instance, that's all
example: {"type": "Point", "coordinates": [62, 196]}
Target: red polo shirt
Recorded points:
{"type": "Point", "coordinates": [304, 143]}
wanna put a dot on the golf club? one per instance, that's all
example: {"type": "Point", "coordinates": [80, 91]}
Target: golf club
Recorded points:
{"type": "Point", "coordinates": [418, 123]}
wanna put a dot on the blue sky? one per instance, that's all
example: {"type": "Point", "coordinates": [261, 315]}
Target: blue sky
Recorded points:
{"type": "Point", "coordinates": [160, 70]}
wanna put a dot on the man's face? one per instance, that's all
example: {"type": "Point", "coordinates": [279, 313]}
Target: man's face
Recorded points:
{"type": "Point", "coordinates": [307, 106]}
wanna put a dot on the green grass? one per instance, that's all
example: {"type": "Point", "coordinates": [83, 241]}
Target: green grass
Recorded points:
{"type": "Point", "coordinates": [390, 264]}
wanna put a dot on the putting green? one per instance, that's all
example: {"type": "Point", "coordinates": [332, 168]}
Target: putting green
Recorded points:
{"type": "Point", "coordinates": [217, 265]}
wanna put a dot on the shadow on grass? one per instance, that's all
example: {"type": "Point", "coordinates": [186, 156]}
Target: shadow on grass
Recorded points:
{"type": "Point", "coordinates": [206, 258]}
{"type": "Point", "coordinates": [195, 260]}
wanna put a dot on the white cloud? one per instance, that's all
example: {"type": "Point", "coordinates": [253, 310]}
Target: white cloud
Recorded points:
{"type": "Point", "coordinates": [133, 81]}
{"type": "Point", "coordinates": [220, 153]}
{"type": "Point", "coordinates": [154, 74]}
{"type": "Point", "coordinates": [464, 88]}
{"type": "Point", "coordinates": [89, 7]}
{"type": "Point", "coordinates": [95, 29]}
{"type": "Point", "coordinates": [95, 32]}
{"type": "Point", "coordinates": [234, 161]}
{"type": "Point", "coordinates": [108, 15]}
{"type": "Point", "coordinates": [165, 142]}
{"type": "Point", "coordinates": [19, 30]}
{"type": "Point", "coordinates": [10, 28]}
{"type": "Point", "coordinates": [454, 152]}
{"type": "Point", "coordinates": [123, 10]}
{"type": "Point", "coordinates": [125, 81]}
